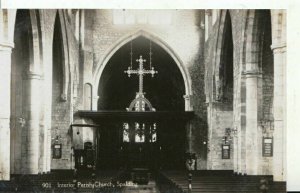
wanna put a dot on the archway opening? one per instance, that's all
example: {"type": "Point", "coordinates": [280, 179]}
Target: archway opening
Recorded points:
{"type": "Point", "coordinates": [226, 62]}
{"type": "Point", "coordinates": [117, 90]}
{"type": "Point", "coordinates": [165, 92]}
{"type": "Point", "coordinates": [57, 71]}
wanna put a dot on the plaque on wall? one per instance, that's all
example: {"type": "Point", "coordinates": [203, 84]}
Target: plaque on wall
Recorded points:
{"type": "Point", "coordinates": [225, 151]}
{"type": "Point", "coordinates": [56, 151]}
{"type": "Point", "coordinates": [267, 146]}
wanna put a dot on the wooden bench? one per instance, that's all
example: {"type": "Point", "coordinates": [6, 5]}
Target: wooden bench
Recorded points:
{"type": "Point", "coordinates": [222, 182]}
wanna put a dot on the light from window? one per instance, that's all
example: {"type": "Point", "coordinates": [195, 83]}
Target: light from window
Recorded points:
{"type": "Point", "coordinates": [126, 132]}
{"type": "Point", "coordinates": [139, 133]}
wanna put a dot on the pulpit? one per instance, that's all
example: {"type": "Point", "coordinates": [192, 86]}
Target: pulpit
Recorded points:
{"type": "Point", "coordinates": [85, 158]}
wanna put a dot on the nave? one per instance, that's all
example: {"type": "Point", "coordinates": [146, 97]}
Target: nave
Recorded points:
{"type": "Point", "coordinates": [118, 90]}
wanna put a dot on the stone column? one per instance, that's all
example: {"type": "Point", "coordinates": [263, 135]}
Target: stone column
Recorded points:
{"type": "Point", "coordinates": [5, 77]}
{"type": "Point", "coordinates": [240, 153]}
{"type": "Point", "coordinates": [251, 137]}
{"type": "Point", "coordinates": [235, 151]}
{"type": "Point", "coordinates": [279, 153]}
{"type": "Point", "coordinates": [32, 133]}
{"type": "Point", "coordinates": [95, 103]}
{"type": "Point", "coordinates": [242, 128]}
{"type": "Point", "coordinates": [189, 137]}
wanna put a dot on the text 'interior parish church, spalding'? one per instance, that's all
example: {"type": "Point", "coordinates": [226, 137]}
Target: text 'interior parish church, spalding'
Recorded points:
{"type": "Point", "coordinates": [147, 96]}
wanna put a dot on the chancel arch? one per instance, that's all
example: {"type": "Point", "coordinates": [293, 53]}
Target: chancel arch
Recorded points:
{"type": "Point", "coordinates": [161, 90]}
{"type": "Point", "coordinates": [185, 74]}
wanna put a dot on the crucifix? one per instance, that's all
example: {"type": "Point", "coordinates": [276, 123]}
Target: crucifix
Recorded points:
{"type": "Point", "coordinates": [140, 72]}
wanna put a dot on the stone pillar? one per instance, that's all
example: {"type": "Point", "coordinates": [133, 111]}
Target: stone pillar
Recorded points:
{"type": "Point", "coordinates": [251, 137]}
{"type": "Point", "coordinates": [242, 128]}
{"type": "Point", "coordinates": [209, 135]}
{"type": "Point", "coordinates": [235, 152]}
{"type": "Point", "coordinates": [5, 77]}
{"type": "Point", "coordinates": [279, 153]}
{"type": "Point", "coordinates": [95, 103]}
{"type": "Point", "coordinates": [208, 23]}
{"type": "Point", "coordinates": [189, 137]}
{"type": "Point", "coordinates": [32, 130]}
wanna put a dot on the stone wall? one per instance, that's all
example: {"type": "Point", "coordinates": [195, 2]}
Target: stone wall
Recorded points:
{"type": "Point", "coordinates": [62, 110]}
{"type": "Point", "coordinates": [181, 33]}
{"type": "Point", "coordinates": [220, 120]}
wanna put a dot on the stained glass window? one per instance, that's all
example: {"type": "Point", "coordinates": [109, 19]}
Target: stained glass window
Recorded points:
{"type": "Point", "coordinates": [153, 135]}
{"type": "Point", "coordinates": [126, 132]}
{"type": "Point", "coordinates": [139, 133]}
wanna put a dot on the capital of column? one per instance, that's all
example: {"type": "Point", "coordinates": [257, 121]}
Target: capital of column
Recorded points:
{"type": "Point", "coordinates": [252, 74]}
{"type": "Point", "coordinates": [64, 97]}
{"type": "Point", "coordinates": [187, 99]}
{"type": "Point", "coordinates": [208, 12]}
{"type": "Point", "coordinates": [279, 47]}
{"type": "Point", "coordinates": [33, 75]}
{"type": "Point", "coordinates": [6, 46]}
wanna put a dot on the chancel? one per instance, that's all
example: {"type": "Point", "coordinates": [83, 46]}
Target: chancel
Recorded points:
{"type": "Point", "coordinates": [143, 100]}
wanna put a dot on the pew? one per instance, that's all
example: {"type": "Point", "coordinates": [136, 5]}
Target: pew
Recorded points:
{"type": "Point", "coordinates": [218, 182]}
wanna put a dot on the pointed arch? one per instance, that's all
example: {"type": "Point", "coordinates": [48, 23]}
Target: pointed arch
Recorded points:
{"type": "Point", "coordinates": [36, 40]}
{"type": "Point", "coordinates": [65, 54]}
{"type": "Point", "coordinates": [100, 66]}
{"type": "Point", "coordinates": [224, 44]}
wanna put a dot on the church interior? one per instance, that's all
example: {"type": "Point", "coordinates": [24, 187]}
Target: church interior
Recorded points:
{"type": "Point", "coordinates": [125, 100]}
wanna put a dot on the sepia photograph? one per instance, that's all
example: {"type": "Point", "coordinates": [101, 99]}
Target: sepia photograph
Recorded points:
{"type": "Point", "coordinates": [143, 100]}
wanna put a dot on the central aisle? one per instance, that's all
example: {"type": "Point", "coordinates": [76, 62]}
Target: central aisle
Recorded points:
{"type": "Point", "coordinates": [149, 188]}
